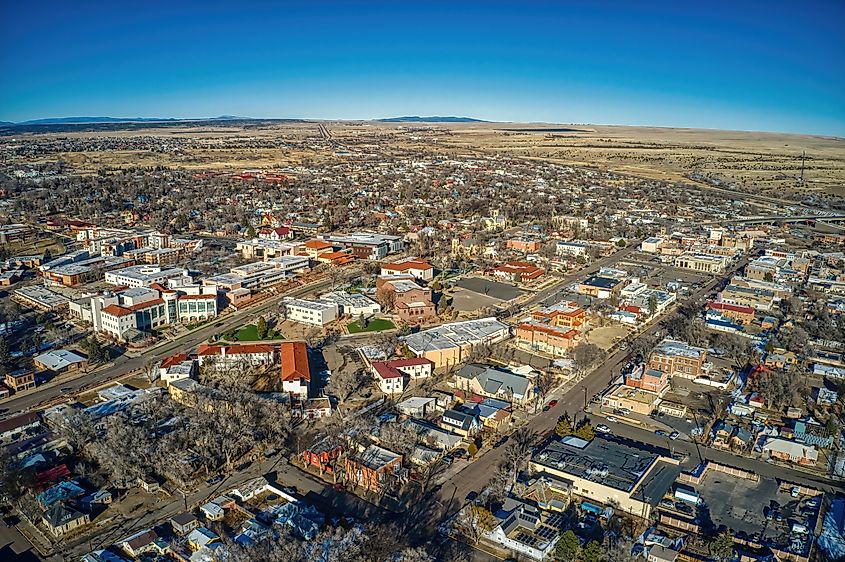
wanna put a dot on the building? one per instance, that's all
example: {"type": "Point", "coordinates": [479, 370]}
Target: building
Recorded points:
{"type": "Point", "coordinates": [607, 472]}
{"type": "Point", "coordinates": [600, 287]}
{"type": "Point", "coordinates": [678, 358]}
{"type": "Point", "coordinates": [143, 275]}
{"type": "Point", "coordinates": [177, 367]}
{"type": "Point", "coordinates": [261, 275]}
{"type": "Point", "coordinates": [524, 244]}
{"type": "Point", "coordinates": [235, 356]}
{"type": "Point", "coordinates": [652, 245]}
{"type": "Point", "coordinates": [352, 304]}
{"type": "Point", "coordinates": [526, 531]}
{"type": "Point", "coordinates": [411, 302]}
{"type": "Point", "coordinates": [650, 380]}
{"type": "Point", "coordinates": [373, 468]}
{"type": "Point", "coordinates": [393, 376]}
{"type": "Point", "coordinates": [545, 338]}
{"type": "Point", "coordinates": [11, 429]}
{"type": "Point", "coordinates": [449, 344]}
{"type": "Point", "coordinates": [566, 314]}
{"type": "Point", "coordinates": [495, 383]}
{"type": "Point", "coordinates": [634, 399]}
{"type": "Point", "coordinates": [462, 423]}
{"type": "Point", "coordinates": [316, 313]}
{"type": "Point", "coordinates": [791, 451]}
{"type": "Point", "coordinates": [40, 298]}
{"type": "Point", "coordinates": [572, 248]}
{"type": "Point", "coordinates": [417, 267]}
{"type": "Point", "coordinates": [705, 263]}
{"type": "Point", "coordinates": [366, 245]}
{"type": "Point", "coordinates": [61, 519]}
{"type": "Point", "coordinates": [296, 369]}
{"type": "Point", "coordinates": [20, 380]}
{"type": "Point", "coordinates": [742, 315]}
{"type": "Point", "coordinates": [60, 361]}
{"type": "Point", "coordinates": [518, 271]}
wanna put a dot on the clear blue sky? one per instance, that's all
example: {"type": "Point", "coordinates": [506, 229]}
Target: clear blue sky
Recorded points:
{"type": "Point", "coordinates": [775, 66]}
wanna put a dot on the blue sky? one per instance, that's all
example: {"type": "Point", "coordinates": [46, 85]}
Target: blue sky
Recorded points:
{"type": "Point", "coordinates": [734, 65]}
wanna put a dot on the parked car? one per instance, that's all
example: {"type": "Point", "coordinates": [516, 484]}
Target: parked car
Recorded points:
{"type": "Point", "coordinates": [459, 453]}
{"type": "Point", "coordinates": [501, 442]}
{"type": "Point", "coordinates": [613, 419]}
{"type": "Point", "coordinates": [214, 480]}
{"type": "Point", "coordinates": [660, 433]}
{"type": "Point", "coordinates": [601, 428]}
{"type": "Point", "coordinates": [471, 496]}
{"type": "Point", "coordinates": [674, 435]}
{"type": "Point", "coordinates": [552, 403]}
{"type": "Point", "coordinates": [447, 461]}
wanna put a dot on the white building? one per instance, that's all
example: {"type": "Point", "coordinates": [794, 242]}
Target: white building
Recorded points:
{"type": "Point", "coordinates": [143, 275]}
{"type": "Point", "coordinates": [417, 267]}
{"type": "Point", "coordinates": [316, 313]}
{"type": "Point", "coordinates": [353, 304]}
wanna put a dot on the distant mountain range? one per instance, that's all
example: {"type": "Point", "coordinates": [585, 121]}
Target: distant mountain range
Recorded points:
{"type": "Point", "coordinates": [418, 119]}
{"type": "Point", "coordinates": [83, 120]}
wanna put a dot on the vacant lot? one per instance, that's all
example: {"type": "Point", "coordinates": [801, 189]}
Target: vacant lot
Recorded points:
{"type": "Point", "coordinates": [486, 287]}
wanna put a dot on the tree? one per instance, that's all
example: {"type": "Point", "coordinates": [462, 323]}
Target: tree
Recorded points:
{"type": "Point", "coordinates": [721, 546]}
{"type": "Point", "coordinates": [518, 450]}
{"type": "Point", "coordinates": [652, 305]}
{"type": "Point", "coordinates": [585, 431]}
{"type": "Point", "coordinates": [250, 232]}
{"type": "Point", "coordinates": [585, 354]}
{"type": "Point", "coordinates": [567, 548]}
{"type": "Point", "coordinates": [593, 552]}
{"type": "Point", "coordinates": [472, 450]}
{"type": "Point", "coordinates": [345, 383]}
{"type": "Point", "coordinates": [564, 426]}
{"type": "Point", "coordinates": [261, 328]}
{"type": "Point", "coordinates": [5, 355]}
{"type": "Point", "coordinates": [386, 298]}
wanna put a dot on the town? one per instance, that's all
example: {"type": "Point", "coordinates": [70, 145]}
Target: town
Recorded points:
{"type": "Point", "coordinates": [391, 346]}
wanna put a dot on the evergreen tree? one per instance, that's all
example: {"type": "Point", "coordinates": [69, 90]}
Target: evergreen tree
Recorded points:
{"type": "Point", "coordinates": [564, 426]}
{"type": "Point", "coordinates": [261, 328]}
{"type": "Point", "coordinates": [567, 547]}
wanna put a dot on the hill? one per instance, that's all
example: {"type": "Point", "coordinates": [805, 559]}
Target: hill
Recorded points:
{"type": "Point", "coordinates": [435, 119]}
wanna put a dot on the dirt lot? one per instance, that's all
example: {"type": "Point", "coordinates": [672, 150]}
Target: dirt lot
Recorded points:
{"type": "Point", "coordinates": [605, 336]}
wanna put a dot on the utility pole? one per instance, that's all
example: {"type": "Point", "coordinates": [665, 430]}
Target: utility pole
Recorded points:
{"type": "Point", "coordinates": [803, 157]}
{"type": "Point", "coordinates": [584, 387]}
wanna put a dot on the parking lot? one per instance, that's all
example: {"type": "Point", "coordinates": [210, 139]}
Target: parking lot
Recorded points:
{"type": "Point", "coordinates": [490, 288]}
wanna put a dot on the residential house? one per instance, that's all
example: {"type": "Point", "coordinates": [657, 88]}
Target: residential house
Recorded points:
{"type": "Point", "coordinates": [786, 450]}
{"type": "Point", "coordinates": [59, 361]}
{"type": "Point", "coordinates": [393, 375]}
{"type": "Point", "coordinates": [14, 428]}
{"type": "Point", "coordinates": [322, 456]}
{"type": "Point", "coordinates": [184, 523]}
{"type": "Point", "coordinates": [495, 383]}
{"type": "Point", "coordinates": [373, 468]}
{"type": "Point", "coordinates": [201, 537]}
{"type": "Point", "coordinates": [20, 380]}
{"type": "Point", "coordinates": [460, 422]}
{"type": "Point", "coordinates": [61, 519]}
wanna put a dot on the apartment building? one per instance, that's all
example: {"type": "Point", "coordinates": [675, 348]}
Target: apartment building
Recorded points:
{"type": "Point", "coordinates": [316, 313]}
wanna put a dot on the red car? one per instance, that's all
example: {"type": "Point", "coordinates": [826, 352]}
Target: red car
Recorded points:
{"type": "Point", "coordinates": [552, 403]}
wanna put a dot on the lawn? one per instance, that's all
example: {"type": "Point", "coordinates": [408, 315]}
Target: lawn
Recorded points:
{"type": "Point", "coordinates": [250, 333]}
{"type": "Point", "coordinates": [376, 325]}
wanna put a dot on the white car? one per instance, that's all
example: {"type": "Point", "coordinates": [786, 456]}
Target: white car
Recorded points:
{"type": "Point", "coordinates": [613, 419]}
{"type": "Point", "coordinates": [601, 428]}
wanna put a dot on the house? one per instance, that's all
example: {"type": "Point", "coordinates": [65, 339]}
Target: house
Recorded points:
{"type": "Point", "coordinates": [526, 531]}
{"type": "Point", "coordinates": [392, 376]}
{"type": "Point", "coordinates": [20, 380]}
{"type": "Point", "coordinates": [61, 519]}
{"type": "Point", "coordinates": [296, 369]}
{"type": "Point", "coordinates": [140, 543]}
{"type": "Point", "coordinates": [787, 450]}
{"type": "Point", "coordinates": [372, 468]}
{"type": "Point", "coordinates": [178, 367]}
{"type": "Point", "coordinates": [742, 315]}
{"type": "Point", "coordinates": [462, 423]}
{"type": "Point", "coordinates": [417, 267]}
{"type": "Point", "coordinates": [811, 432]}
{"type": "Point", "coordinates": [660, 553]}
{"type": "Point", "coordinates": [12, 429]}
{"type": "Point", "coordinates": [201, 537]}
{"type": "Point", "coordinates": [322, 456]}
{"type": "Point", "coordinates": [417, 406]}
{"type": "Point", "coordinates": [495, 383]}
{"type": "Point", "coordinates": [624, 397]}
{"type": "Point", "coordinates": [212, 511]}
{"type": "Point", "coordinates": [315, 408]}
{"type": "Point", "coordinates": [184, 523]}
{"type": "Point", "coordinates": [60, 361]}
{"type": "Point", "coordinates": [59, 493]}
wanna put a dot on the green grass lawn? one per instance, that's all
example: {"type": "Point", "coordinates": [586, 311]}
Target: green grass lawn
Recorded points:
{"type": "Point", "coordinates": [250, 333]}
{"type": "Point", "coordinates": [376, 325]}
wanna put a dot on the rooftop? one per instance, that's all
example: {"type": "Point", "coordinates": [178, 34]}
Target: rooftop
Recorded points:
{"type": "Point", "coordinates": [457, 333]}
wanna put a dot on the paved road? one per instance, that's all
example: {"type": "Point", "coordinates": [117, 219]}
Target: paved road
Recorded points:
{"type": "Point", "coordinates": [125, 364]}
{"type": "Point", "coordinates": [478, 473]}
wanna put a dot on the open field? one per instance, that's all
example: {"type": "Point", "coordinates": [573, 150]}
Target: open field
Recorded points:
{"type": "Point", "coordinates": [767, 164]}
